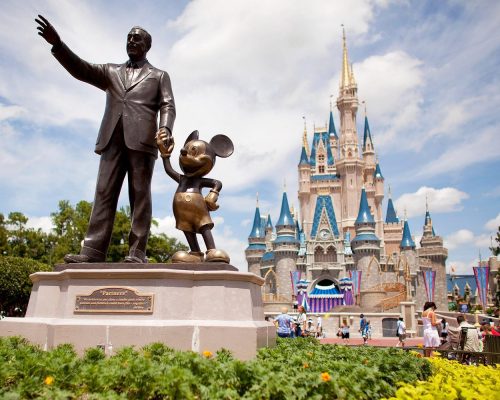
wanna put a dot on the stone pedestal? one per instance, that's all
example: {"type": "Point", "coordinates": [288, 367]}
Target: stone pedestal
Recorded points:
{"type": "Point", "coordinates": [129, 304]}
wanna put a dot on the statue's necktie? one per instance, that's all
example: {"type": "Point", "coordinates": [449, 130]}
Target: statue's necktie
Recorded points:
{"type": "Point", "coordinates": [131, 68]}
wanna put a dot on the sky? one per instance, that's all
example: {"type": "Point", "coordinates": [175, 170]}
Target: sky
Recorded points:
{"type": "Point", "coordinates": [426, 70]}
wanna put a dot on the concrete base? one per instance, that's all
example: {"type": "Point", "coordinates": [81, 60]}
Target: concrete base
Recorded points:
{"type": "Point", "coordinates": [192, 310]}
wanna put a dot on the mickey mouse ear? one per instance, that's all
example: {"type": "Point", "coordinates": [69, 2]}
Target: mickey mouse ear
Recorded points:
{"type": "Point", "coordinates": [193, 136]}
{"type": "Point", "coordinates": [222, 146]}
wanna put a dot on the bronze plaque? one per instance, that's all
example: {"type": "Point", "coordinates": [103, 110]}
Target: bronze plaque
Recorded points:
{"type": "Point", "coordinates": [115, 300]}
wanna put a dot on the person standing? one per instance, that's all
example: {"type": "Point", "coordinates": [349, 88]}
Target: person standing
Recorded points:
{"type": "Point", "coordinates": [401, 332]}
{"type": "Point", "coordinates": [344, 332]}
{"type": "Point", "coordinates": [136, 94]}
{"type": "Point", "coordinates": [363, 328]}
{"type": "Point", "coordinates": [283, 323]}
{"type": "Point", "coordinates": [431, 335]}
{"type": "Point", "coordinates": [319, 327]}
{"type": "Point", "coordinates": [301, 321]}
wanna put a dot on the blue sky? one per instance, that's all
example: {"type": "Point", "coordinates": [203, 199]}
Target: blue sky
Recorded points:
{"type": "Point", "coordinates": [427, 70]}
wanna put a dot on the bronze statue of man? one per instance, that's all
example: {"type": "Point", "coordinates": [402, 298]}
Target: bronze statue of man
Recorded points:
{"type": "Point", "coordinates": [136, 92]}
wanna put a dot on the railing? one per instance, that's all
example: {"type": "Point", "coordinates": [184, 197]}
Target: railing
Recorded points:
{"type": "Point", "coordinates": [393, 301]}
{"type": "Point", "coordinates": [271, 297]}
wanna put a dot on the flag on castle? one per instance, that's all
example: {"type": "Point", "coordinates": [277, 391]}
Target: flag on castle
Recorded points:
{"type": "Point", "coordinates": [356, 281]}
{"type": "Point", "coordinates": [295, 277]}
{"type": "Point", "coordinates": [481, 274]}
{"type": "Point", "coordinates": [429, 283]}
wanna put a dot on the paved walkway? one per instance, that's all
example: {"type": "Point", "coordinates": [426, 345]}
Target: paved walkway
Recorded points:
{"type": "Point", "coordinates": [381, 341]}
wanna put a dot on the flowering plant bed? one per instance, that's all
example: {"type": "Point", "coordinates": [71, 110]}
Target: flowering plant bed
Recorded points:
{"type": "Point", "coordinates": [294, 369]}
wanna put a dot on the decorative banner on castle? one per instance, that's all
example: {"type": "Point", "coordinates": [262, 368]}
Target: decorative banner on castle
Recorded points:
{"type": "Point", "coordinates": [295, 277]}
{"type": "Point", "coordinates": [481, 274]}
{"type": "Point", "coordinates": [305, 303]}
{"type": "Point", "coordinates": [356, 281]}
{"type": "Point", "coordinates": [429, 283]}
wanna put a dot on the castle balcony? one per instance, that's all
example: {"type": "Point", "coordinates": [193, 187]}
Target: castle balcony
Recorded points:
{"type": "Point", "coordinates": [331, 266]}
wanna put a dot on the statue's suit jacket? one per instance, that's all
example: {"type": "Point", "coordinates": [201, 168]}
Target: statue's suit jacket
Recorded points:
{"type": "Point", "coordinates": [138, 105]}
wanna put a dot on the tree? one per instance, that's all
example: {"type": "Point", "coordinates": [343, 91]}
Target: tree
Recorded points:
{"type": "Point", "coordinates": [161, 248]}
{"type": "Point", "coordinates": [496, 249]}
{"type": "Point", "coordinates": [15, 284]}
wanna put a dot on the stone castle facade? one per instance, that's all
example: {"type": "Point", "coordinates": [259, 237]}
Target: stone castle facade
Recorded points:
{"type": "Point", "coordinates": [339, 250]}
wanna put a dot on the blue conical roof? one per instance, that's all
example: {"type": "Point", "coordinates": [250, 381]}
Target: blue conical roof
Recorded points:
{"type": "Point", "coordinates": [269, 223]}
{"type": "Point", "coordinates": [303, 157]}
{"type": "Point", "coordinates": [391, 216]}
{"type": "Point", "coordinates": [433, 233]}
{"type": "Point", "coordinates": [257, 231]}
{"type": "Point", "coordinates": [285, 214]}
{"type": "Point", "coordinates": [367, 134]}
{"type": "Point", "coordinates": [427, 218]}
{"type": "Point", "coordinates": [407, 241]}
{"type": "Point", "coordinates": [364, 215]}
{"type": "Point", "coordinates": [324, 202]}
{"type": "Point", "coordinates": [331, 126]}
{"type": "Point", "coordinates": [378, 172]}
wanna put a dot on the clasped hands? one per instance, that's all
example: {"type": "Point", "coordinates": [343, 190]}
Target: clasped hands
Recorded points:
{"type": "Point", "coordinates": [165, 142]}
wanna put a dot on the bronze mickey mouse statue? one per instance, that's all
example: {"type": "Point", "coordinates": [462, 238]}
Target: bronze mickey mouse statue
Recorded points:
{"type": "Point", "coordinates": [191, 209]}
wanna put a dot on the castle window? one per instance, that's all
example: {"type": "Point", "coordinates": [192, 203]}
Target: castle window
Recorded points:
{"type": "Point", "coordinates": [321, 169]}
{"type": "Point", "coordinates": [321, 158]}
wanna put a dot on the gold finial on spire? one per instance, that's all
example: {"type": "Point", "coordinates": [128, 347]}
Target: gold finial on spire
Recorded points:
{"type": "Point", "coordinates": [406, 217]}
{"type": "Point", "coordinates": [426, 203]}
{"type": "Point", "coordinates": [346, 78]}
{"type": "Point", "coordinates": [364, 106]}
{"type": "Point", "coordinates": [331, 106]}
{"type": "Point", "coordinates": [305, 142]}
{"type": "Point", "coordinates": [352, 80]}
{"type": "Point", "coordinates": [284, 184]}
{"type": "Point", "coordinates": [389, 192]}
{"type": "Point", "coordinates": [257, 198]}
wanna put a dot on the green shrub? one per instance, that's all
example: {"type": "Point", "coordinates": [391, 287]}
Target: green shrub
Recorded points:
{"type": "Point", "coordinates": [15, 283]}
{"type": "Point", "coordinates": [294, 369]}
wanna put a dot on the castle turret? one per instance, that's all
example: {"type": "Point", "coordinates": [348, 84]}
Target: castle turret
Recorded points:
{"type": "Point", "coordinates": [433, 252]}
{"type": "Point", "coordinates": [334, 139]}
{"type": "Point", "coordinates": [349, 165]}
{"type": "Point", "coordinates": [366, 244]}
{"type": "Point", "coordinates": [256, 244]}
{"type": "Point", "coordinates": [393, 229]}
{"type": "Point", "coordinates": [286, 248]}
{"type": "Point", "coordinates": [304, 168]}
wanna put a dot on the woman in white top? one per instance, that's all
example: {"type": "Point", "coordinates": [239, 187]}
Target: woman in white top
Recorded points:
{"type": "Point", "coordinates": [431, 334]}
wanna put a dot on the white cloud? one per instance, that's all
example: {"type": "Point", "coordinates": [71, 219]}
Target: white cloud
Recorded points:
{"type": "Point", "coordinates": [10, 112]}
{"type": "Point", "coordinates": [43, 223]}
{"type": "Point", "coordinates": [443, 200]}
{"type": "Point", "coordinates": [460, 267]}
{"type": "Point", "coordinates": [493, 224]}
{"type": "Point", "coordinates": [460, 237]}
{"type": "Point", "coordinates": [478, 148]}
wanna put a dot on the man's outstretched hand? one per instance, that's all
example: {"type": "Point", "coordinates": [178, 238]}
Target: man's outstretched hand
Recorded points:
{"type": "Point", "coordinates": [47, 31]}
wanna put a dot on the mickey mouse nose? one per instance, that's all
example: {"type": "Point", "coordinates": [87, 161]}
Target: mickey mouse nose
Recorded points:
{"type": "Point", "coordinates": [183, 152]}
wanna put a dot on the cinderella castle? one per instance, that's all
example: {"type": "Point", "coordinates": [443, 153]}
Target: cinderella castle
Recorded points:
{"type": "Point", "coordinates": [339, 251]}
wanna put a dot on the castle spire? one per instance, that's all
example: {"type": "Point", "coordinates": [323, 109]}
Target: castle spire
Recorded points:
{"type": "Point", "coordinates": [407, 242]}
{"type": "Point", "coordinates": [391, 217]}
{"type": "Point", "coordinates": [285, 218]}
{"type": "Point", "coordinates": [257, 231]}
{"type": "Point", "coordinates": [367, 136]}
{"type": "Point", "coordinates": [364, 214]}
{"type": "Point", "coordinates": [331, 124]}
{"type": "Point", "coordinates": [345, 80]}
{"type": "Point", "coordinates": [305, 142]}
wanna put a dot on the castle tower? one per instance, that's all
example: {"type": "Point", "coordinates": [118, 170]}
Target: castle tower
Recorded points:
{"type": "Point", "coordinates": [393, 229]}
{"type": "Point", "coordinates": [350, 165]}
{"type": "Point", "coordinates": [334, 139]}
{"type": "Point", "coordinates": [286, 248]}
{"type": "Point", "coordinates": [304, 183]}
{"type": "Point", "coordinates": [366, 245]}
{"type": "Point", "coordinates": [256, 244]}
{"type": "Point", "coordinates": [269, 233]}
{"type": "Point", "coordinates": [434, 254]}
